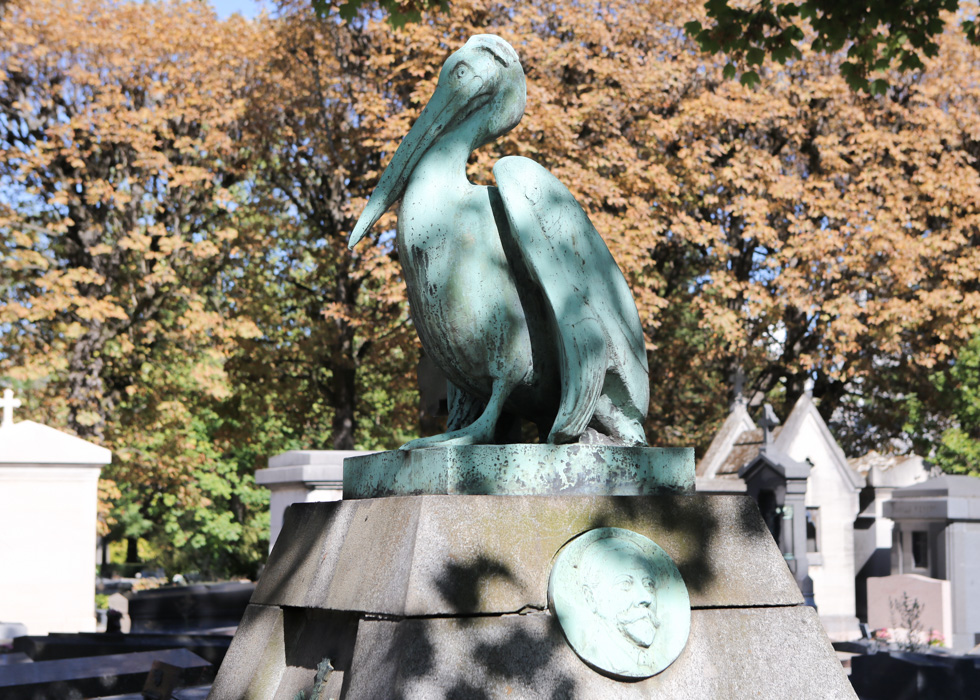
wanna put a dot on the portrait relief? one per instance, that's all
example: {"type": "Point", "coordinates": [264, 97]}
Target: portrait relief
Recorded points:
{"type": "Point", "coordinates": [621, 602]}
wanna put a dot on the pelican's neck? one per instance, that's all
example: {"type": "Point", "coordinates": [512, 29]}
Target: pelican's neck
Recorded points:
{"type": "Point", "coordinates": [444, 164]}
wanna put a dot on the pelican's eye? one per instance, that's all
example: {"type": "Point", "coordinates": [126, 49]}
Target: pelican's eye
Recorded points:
{"type": "Point", "coordinates": [460, 71]}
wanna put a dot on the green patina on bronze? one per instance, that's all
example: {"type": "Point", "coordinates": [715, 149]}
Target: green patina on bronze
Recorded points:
{"type": "Point", "coordinates": [621, 602]}
{"type": "Point", "coordinates": [514, 294]}
{"type": "Point", "coordinates": [521, 470]}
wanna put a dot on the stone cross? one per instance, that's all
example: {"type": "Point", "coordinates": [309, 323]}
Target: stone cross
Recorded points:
{"type": "Point", "coordinates": [9, 403]}
{"type": "Point", "coordinates": [769, 421]}
{"type": "Point", "coordinates": [738, 387]}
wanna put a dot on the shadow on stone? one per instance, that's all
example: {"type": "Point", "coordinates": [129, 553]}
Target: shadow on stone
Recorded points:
{"type": "Point", "coordinates": [519, 656]}
{"type": "Point", "coordinates": [460, 584]}
{"type": "Point", "coordinates": [312, 636]}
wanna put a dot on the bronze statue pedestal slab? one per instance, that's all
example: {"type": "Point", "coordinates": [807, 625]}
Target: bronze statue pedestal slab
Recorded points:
{"type": "Point", "coordinates": [521, 470]}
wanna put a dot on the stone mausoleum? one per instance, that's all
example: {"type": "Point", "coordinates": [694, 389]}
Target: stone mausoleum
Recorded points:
{"type": "Point", "coordinates": [48, 513]}
{"type": "Point", "coordinates": [825, 511]}
{"type": "Point", "coordinates": [937, 535]}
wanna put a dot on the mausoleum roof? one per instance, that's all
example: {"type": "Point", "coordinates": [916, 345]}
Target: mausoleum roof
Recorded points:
{"type": "Point", "coordinates": [746, 448]}
{"type": "Point", "coordinates": [956, 485]}
{"type": "Point", "coordinates": [27, 442]}
{"type": "Point", "coordinates": [890, 470]}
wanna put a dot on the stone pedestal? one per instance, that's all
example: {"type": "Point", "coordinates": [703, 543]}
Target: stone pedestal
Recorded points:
{"type": "Point", "coordinates": [446, 597]}
{"type": "Point", "coordinates": [302, 476]}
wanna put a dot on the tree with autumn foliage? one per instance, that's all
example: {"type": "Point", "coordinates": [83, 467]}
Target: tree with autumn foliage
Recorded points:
{"type": "Point", "coordinates": [120, 162]}
{"type": "Point", "coordinates": [816, 238]}
{"type": "Point", "coordinates": [178, 192]}
{"type": "Point", "coordinates": [878, 35]}
{"type": "Point", "coordinates": [336, 347]}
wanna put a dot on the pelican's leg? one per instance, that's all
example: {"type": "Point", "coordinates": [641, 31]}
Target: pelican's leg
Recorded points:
{"type": "Point", "coordinates": [464, 408]}
{"type": "Point", "coordinates": [480, 431]}
{"type": "Point", "coordinates": [623, 429]}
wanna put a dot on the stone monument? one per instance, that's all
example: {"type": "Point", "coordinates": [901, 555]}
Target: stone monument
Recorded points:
{"type": "Point", "coordinates": [302, 476]}
{"type": "Point", "coordinates": [465, 565]}
{"type": "Point", "coordinates": [48, 502]}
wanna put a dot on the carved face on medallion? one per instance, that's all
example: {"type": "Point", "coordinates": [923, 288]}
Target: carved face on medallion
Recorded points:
{"type": "Point", "coordinates": [621, 602]}
{"type": "Point", "coordinates": [619, 585]}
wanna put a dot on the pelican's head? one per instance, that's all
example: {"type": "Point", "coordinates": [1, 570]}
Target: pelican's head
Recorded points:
{"type": "Point", "coordinates": [481, 90]}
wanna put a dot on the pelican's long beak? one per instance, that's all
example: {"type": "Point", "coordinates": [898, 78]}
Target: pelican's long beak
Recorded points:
{"type": "Point", "coordinates": [446, 105]}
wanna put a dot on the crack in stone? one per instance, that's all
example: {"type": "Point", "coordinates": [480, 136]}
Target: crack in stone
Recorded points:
{"type": "Point", "coordinates": [524, 611]}
{"type": "Point", "coordinates": [748, 606]}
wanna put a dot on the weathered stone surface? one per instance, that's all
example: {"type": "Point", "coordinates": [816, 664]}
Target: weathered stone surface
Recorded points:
{"type": "Point", "coordinates": [779, 652]}
{"type": "Point", "coordinates": [445, 597]}
{"type": "Point", "coordinates": [314, 539]}
{"type": "Point", "coordinates": [446, 555]}
{"type": "Point", "coordinates": [521, 470]}
{"type": "Point", "coordinates": [276, 652]}
{"type": "Point", "coordinates": [256, 659]}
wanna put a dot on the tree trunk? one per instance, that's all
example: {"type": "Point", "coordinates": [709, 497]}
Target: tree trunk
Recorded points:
{"type": "Point", "coordinates": [344, 421]}
{"type": "Point", "coordinates": [86, 408]}
{"type": "Point", "coordinates": [132, 550]}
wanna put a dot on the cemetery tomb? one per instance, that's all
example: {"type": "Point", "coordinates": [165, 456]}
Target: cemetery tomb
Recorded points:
{"type": "Point", "coordinates": [48, 501]}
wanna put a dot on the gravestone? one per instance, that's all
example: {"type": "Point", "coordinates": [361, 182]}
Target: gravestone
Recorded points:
{"type": "Point", "coordinates": [48, 501]}
{"type": "Point", "coordinates": [201, 608]}
{"type": "Point", "coordinates": [937, 534]}
{"type": "Point", "coordinates": [935, 608]}
{"type": "Point", "coordinates": [56, 646]}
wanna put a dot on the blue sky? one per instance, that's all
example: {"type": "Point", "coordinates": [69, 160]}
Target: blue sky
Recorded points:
{"type": "Point", "coordinates": [247, 8]}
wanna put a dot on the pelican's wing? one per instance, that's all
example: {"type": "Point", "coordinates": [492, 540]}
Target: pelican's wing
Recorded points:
{"type": "Point", "coordinates": [593, 311]}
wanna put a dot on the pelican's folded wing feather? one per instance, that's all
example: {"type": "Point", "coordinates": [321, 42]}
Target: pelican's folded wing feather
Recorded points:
{"type": "Point", "coordinates": [593, 312]}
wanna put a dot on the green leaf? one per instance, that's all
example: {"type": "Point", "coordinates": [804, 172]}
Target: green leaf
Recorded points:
{"type": "Point", "coordinates": [787, 10]}
{"type": "Point", "coordinates": [321, 7]}
{"type": "Point", "coordinates": [750, 78]}
{"type": "Point", "coordinates": [348, 11]}
{"type": "Point", "coordinates": [692, 29]}
{"type": "Point", "coordinates": [729, 72]}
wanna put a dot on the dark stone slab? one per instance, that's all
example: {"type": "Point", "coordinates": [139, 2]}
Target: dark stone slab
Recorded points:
{"type": "Point", "coordinates": [184, 608]}
{"type": "Point", "coordinates": [775, 653]}
{"type": "Point", "coordinates": [521, 470]}
{"type": "Point", "coordinates": [446, 555]}
{"type": "Point", "coordinates": [64, 645]}
{"type": "Point", "coordinates": [198, 692]}
{"type": "Point", "coordinates": [14, 658]}
{"type": "Point", "coordinates": [68, 679]}
{"type": "Point", "coordinates": [907, 676]}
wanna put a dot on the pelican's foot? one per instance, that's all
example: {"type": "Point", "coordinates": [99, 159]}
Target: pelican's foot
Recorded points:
{"type": "Point", "coordinates": [465, 436]}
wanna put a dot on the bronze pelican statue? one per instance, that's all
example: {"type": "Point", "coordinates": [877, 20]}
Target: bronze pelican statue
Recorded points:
{"type": "Point", "coordinates": [514, 294]}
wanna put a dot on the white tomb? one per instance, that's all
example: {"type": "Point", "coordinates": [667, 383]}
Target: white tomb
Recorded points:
{"type": "Point", "coordinates": [48, 511]}
{"type": "Point", "coordinates": [302, 476]}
